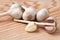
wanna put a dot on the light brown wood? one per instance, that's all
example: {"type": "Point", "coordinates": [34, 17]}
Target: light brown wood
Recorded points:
{"type": "Point", "coordinates": [10, 30]}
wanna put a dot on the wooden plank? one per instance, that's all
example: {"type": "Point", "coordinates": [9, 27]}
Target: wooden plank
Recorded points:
{"type": "Point", "coordinates": [10, 30]}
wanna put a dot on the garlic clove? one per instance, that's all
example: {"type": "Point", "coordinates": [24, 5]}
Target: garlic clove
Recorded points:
{"type": "Point", "coordinates": [15, 11]}
{"type": "Point", "coordinates": [42, 14]}
{"type": "Point", "coordinates": [50, 19]}
{"type": "Point", "coordinates": [29, 14]}
{"type": "Point", "coordinates": [50, 29]}
{"type": "Point", "coordinates": [31, 27]}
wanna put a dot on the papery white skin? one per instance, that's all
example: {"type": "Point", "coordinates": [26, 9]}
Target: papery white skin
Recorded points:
{"type": "Point", "coordinates": [50, 29]}
{"type": "Point", "coordinates": [42, 14]}
{"type": "Point", "coordinates": [14, 11]}
{"type": "Point", "coordinates": [31, 27]}
{"type": "Point", "coordinates": [29, 12]}
{"type": "Point", "coordinates": [50, 18]}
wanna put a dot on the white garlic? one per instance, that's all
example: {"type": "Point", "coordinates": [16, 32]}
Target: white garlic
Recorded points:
{"type": "Point", "coordinates": [14, 11]}
{"type": "Point", "coordinates": [31, 27]}
{"type": "Point", "coordinates": [50, 19]}
{"type": "Point", "coordinates": [29, 13]}
{"type": "Point", "coordinates": [42, 14]}
{"type": "Point", "coordinates": [50, 29]}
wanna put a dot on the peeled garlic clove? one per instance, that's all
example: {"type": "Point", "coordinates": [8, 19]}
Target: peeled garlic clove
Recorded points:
{"type": "Point", "coordinates": [42, 14]}
{"type": "Point", "coordinates": [50, 29]}
{"type": "Point", "coordinates": [50, 19]}
{"type": "Point", "coordinates": [29, 14]}
{"type": "Point", "coordinates": [31, 27]}
{"type": "Point", "coordinates": [15, 11]}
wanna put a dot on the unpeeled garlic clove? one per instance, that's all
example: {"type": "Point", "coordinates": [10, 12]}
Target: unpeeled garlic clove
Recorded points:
{"type": "Point", "coordinates": [50, 19]}
{"type": "Point", "coordinates": [14, 11]}
{"type": "Point", "coordinates": [29, 13]}
{"type": "Point", "coordinates": [31, 27]}
{"type": "Point", "coordinates": [42, 14]}
{"type": "Point", "coordinates": [50, 29]}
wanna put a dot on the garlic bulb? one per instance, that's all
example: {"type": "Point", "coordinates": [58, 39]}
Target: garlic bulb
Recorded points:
{"type": "Point", "coordinates": [31, 27]}
{"type": "Point", "coordinates": [14, 11]}
{"type": "Point", "coordinates": [29, 13]}
{"type": "Point", "coordinates": [42, 14]}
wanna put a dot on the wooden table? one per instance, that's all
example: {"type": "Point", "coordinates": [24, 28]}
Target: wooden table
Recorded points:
{"type": "Point", "coordinates": [10, 30]}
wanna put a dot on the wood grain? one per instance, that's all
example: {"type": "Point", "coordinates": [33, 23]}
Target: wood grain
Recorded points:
{"type": "Point", "coordinates": [10, 30]}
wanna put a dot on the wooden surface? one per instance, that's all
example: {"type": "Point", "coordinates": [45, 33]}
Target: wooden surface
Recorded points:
{"type": "Point", "coordinates": [10, 30]}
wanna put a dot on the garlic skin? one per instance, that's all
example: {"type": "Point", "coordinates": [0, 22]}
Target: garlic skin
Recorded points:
{"type": "Point", "coordinates": [29, 13]}
{"type": "Point", "coordinates": [50, 29]}
{"type": "Point", "coordinates": [15, 11]}
{"type": "Point", "coordinates": [42, 14]}
{"type": "Point", "coordinates": [50, 19]}
{"type": "Point", "coordinates": [31, 27]}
